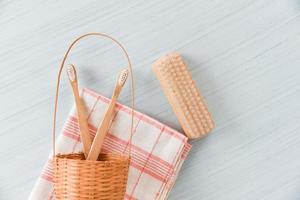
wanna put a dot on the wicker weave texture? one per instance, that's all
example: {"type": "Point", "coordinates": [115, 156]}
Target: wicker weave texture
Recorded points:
{"type": "Point", "coordinates": [77, 179]}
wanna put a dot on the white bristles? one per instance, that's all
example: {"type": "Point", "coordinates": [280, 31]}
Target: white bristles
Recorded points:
{"type": "Point", "coordinates": [123, 77]}
{"type": "Point", "coordinates": [71, 72]}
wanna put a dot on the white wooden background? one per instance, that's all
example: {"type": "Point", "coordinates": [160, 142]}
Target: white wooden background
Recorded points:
{"type": "Point", "coordinates": [244, 56]}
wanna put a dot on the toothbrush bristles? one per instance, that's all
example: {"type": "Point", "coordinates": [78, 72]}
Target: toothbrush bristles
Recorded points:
{"type": "Point", "coordinates": [71, 72]}
{"type": "Point", "coordinates": [123, 77]}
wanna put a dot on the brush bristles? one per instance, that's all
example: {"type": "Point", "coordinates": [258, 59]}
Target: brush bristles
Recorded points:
{"type": "Point", "coordinates": [183, 95]}
{"type": "Point", "coordinates": [71, 72]}
{"type": "Point", "coordinates": [123, 77]}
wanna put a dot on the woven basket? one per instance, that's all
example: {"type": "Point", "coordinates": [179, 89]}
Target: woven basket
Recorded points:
{"type": "Point", "coordinates": [76, 178]}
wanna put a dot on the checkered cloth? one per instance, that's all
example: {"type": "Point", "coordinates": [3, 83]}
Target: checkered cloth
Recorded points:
{"type": "Point", "coordinates": [157, 152]}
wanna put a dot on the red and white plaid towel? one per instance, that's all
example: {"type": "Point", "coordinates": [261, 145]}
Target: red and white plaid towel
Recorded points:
{"type": "Point", "coordinates": [158, 151]}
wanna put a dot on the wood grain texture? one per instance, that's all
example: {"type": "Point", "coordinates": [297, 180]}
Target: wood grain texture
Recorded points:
{"type": "Point", "coordinates": [244, 56]}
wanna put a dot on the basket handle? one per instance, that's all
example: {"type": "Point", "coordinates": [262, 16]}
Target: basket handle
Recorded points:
{"type": "Point", "coordinates": [59, 75]}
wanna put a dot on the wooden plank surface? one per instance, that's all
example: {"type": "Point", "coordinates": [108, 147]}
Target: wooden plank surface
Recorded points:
{"type": "Point", "coordinates": [244, 56]}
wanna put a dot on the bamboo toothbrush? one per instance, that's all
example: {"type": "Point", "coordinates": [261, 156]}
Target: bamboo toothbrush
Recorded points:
{"type": "Point", "coordinates": [81, 114]}
{"type": "Point", "coordinates": [103, 128]}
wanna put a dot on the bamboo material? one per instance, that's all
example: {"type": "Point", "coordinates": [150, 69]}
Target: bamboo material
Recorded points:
{"type": "Point", "coordinates": [78, 179]}
{"type": "Point", "coordinates": [183, 95]}
{"type": "Point", "coordinates": [81, 113]}
{"type": "Point", "coordinates": [104, 125]}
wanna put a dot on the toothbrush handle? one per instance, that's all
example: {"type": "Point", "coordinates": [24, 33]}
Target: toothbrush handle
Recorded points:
{"type": "Point", "coordinates": [102, 130]}
{"type": "Point", "coordinates": [82, 121]}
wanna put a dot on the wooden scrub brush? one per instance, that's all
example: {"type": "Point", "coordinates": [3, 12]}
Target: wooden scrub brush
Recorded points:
{"type": "Point", "coordinates": [183, 95]}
